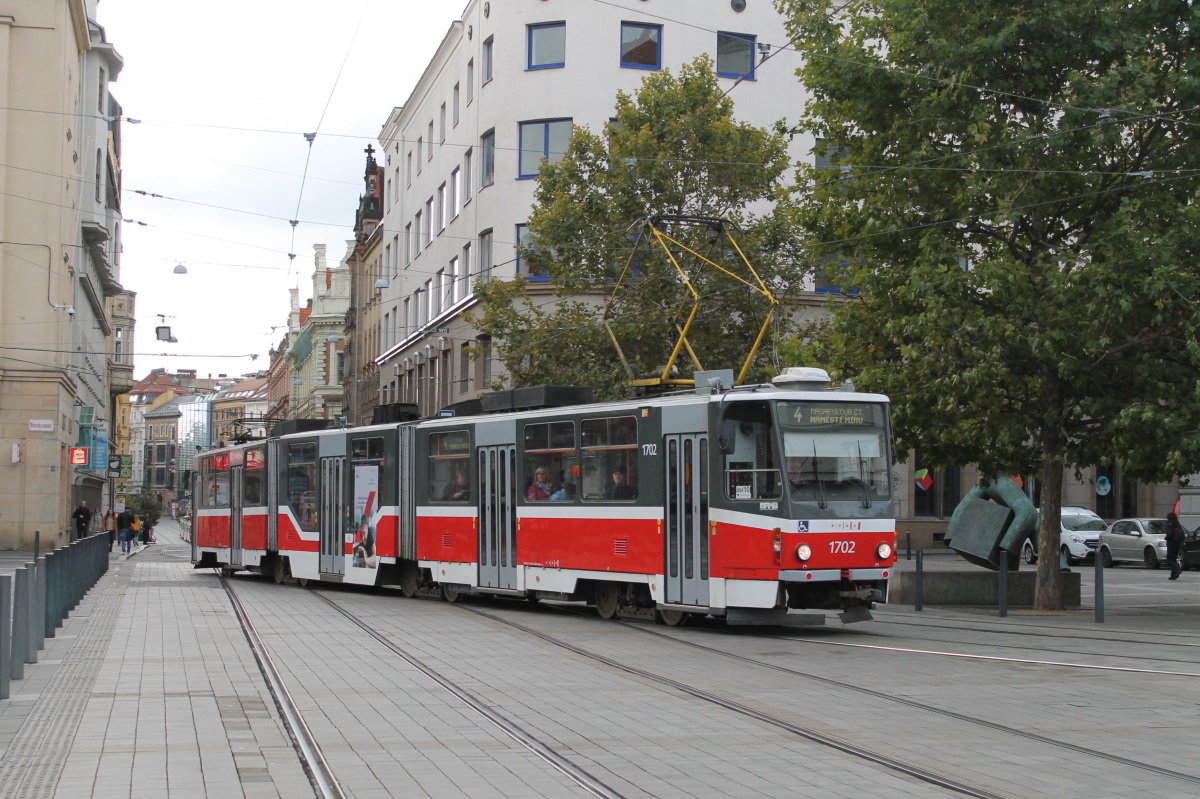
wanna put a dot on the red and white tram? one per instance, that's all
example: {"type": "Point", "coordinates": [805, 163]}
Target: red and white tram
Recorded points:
{"type": "Point", "coordinates": [740, 503]}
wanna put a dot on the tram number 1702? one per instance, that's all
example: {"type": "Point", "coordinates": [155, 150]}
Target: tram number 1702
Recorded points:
{"type": "Point", "coordinates": [841, 547]}
{"type": "Point", "coordinates": [649, 449]}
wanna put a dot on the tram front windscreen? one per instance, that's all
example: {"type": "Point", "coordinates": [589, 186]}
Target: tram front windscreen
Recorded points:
{"type": "Point", "coordinates": [836, 451]}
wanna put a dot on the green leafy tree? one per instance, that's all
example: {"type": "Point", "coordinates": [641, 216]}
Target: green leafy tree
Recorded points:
{"type": "Point", "coordinates": [146, 505]}
{"type": "Point", "coordinates": [1019, 222]}
{"type": "Point", "coordinates": [674, 148]}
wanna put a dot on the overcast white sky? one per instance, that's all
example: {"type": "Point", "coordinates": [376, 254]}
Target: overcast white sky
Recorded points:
{"type": "Point", "coordinates": [211, 83]}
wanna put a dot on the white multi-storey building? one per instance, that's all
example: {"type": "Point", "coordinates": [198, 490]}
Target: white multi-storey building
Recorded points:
{"type": "Point", "coordinates": [507, 84]}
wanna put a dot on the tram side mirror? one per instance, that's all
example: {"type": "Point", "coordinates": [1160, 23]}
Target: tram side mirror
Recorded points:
{"type": "Point", "coordinates": [727, 438]}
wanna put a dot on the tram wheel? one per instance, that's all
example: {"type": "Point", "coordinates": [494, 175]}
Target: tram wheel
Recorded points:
{"type": "Point", "coordinates": [302, 582]}
{"type": "Point", "coordinates": [279, 572]}
{"type": "Point", "coordinates": [607, 597]}
{"type": "Point", "coordinates": [673, 618]}
{"type": "Point", "coordinates": [450, 593]}
{"type": "Point", "coordinates": [410, 579]}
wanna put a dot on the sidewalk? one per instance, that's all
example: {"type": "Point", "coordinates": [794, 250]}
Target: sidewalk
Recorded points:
{"type": "Point", "coordinates": [148, 689]}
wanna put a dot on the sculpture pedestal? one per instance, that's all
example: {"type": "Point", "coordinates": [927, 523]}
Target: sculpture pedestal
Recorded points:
{"type": "Point", "coordinates": [977, 587]}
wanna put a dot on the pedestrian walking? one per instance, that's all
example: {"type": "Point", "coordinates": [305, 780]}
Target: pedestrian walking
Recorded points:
{"type": "Point", "coordinates": [137, 531]}
{"type": "Point", "coordinates": [83, 520]}
{"type": "Point", "coordinates": [125, 529]}
{"type": "Point", "coordinates": [109, 526]}
{"type": "Point", "coordinates": [1175, 536]}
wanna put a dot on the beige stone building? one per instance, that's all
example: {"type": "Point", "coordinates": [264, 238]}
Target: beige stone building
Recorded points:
{"type": "Point", "coordinates": [316, 349]}
{"type": "Point", "coordinates": [62, 307]}
{"type": "Point", "coordinates": [360, 378]}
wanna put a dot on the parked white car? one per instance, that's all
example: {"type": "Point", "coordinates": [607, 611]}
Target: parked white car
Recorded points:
{"type": "Point", "coordinates": [1079, 536]}
{"type": "Point", "coordinates": [1128, 540]}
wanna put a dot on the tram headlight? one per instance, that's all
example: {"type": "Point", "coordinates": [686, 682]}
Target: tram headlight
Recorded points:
{"type": "Point", "coordinates": [804, 552]}
{"type": "Point", "coordinates": [883, 551]}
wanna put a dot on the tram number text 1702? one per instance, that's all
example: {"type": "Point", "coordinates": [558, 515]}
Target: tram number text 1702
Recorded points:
{"type": "Point", "coordinates": [649, 449]}
{"type": "Point", "coordinates": [841, 547]}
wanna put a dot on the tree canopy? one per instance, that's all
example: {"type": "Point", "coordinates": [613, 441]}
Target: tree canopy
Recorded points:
{"type": "Point", "coordinates": [1013, 215]}
{"type": "Point", "coordinates": [673, 148]}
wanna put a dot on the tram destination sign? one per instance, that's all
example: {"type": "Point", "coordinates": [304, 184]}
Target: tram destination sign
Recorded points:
{"type": "Point", "coordinates": [831, 413]}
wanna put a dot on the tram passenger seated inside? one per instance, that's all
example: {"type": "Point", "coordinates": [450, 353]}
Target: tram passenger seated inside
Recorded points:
{"type": "Point", "coordinates": [541, 488]}
{"type": "Point", "coordinates": [458, 489]}
{"type": "Point", "coordinates": [620, 489]}
{"type": "Point", "coordinates": [567, 492]}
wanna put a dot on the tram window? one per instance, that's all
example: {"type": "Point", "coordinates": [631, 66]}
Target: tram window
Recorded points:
{"type": "Point", "coordinates": [302, 484]}
{"type": "Point", "coordinates": [216, 481]}
{"type": "Point", "coordinates": [551, 462]}
{"type": "Point", "coordinates": [610, 449]}
{"type": "Point", "coordinates": [836, 450]}
{"type": "Point", "coordinates": [253, 495]}
{"type": "Point", "coordinates": [366, 449]}
{"type": "Point", "coordinates": [449, 467]}
{"type": "Point", "coordinates": [752, 467]}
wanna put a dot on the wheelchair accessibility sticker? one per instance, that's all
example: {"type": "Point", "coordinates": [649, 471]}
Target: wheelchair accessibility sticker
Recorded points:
{"type": "Point", "coordinates": [803, 525]}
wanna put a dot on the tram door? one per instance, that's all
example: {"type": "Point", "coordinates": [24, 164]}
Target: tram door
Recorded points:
{"type": "Point", "coordinates": [333, 486]}
{"type": "Point", "coordinates": [496, 470]}
{"type": "Point", "coordinates": [686, 519]}
{"type": "Point", "coordinates": [236, 500]}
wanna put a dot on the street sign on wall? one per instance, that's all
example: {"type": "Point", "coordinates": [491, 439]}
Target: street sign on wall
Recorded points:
{"type": "Point", "coordinates": [78, 456]}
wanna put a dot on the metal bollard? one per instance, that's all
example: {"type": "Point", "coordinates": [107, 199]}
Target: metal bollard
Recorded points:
{"type": "Point", "coordinates": [49, 623]}
{"type": "Point", "coordinates": [908, 545]}
{"type": "Point", "coordinates": [37, 627]}
{"type": "Point", "coordinates": [1099, 588]}
{"type": "Point", "coordinates": [5, 634]}
{"type": "Point", "coordinates": [1003, 584]}
{"type": "Point", "coordinates": [919, 603]}
{"type": "Point", "coordinates": [20, 624]}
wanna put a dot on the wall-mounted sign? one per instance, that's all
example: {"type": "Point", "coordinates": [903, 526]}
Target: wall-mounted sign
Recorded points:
{"type": "Point", "coordinates": [79, 456]}
{"type": "Point", "coordinates": [41, 425]}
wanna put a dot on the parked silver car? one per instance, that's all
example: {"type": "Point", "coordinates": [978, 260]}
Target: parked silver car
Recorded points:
{"type": "Point", "coordinates": [1133, 540]}
{"type": "Point", "coordinates": [1079, 536]}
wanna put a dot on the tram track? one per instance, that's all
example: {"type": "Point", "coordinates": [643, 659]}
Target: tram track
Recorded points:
{"type": "Point", "coordinates": [572, 771]}
{"type": "Point", "coordinates": [320, 775]}
{"type": "Point", "coordinates": [307, 748]}
{"type": "Point", "coordinates": [597, 788]}
{"type": "Point", "coordinates": [925, 707]}
{"type": "Point", "coordinates": [808, 733]}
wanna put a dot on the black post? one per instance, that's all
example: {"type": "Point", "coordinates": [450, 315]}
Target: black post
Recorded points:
{"type": "Point", "coordinates": [5, 633]}
{"type": "Point", "coordinates": [20, 626]}
{"type": "Point", "coordinates": [37, 623]}
{"type": "Point", "coordinates": [1003, 584]}
{"type": "Point", "coordinates": [908, 545]}
{"type": "Point", "coordinates": [51, 581]}
{"type": "Point", "coordinates": [1099, 588]}
{"type": "Point", "coordinates": [919, 602]}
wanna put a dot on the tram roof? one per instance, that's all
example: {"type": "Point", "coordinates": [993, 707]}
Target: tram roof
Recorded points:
{"type": "Point", "coordinates": [764, 391]}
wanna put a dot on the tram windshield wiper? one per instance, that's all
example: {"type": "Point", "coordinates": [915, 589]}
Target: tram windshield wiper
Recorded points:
{"type": "Point", "coordinates": [821, 503]}
{"type": "Point", "coordinates": [862, 478]}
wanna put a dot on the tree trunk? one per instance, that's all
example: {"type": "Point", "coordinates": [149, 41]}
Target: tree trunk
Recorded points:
{"type": "Point", "coordinates": [1048, 593]}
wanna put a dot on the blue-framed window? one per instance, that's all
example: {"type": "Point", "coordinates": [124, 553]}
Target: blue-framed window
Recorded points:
{"type": "Point", "coordinates": [547, 46]}
{"type": "Point", "coordinates": [735, 55]}
{"type": "Point", "coordinates": [488, 52]}
{"type": "Point", "coordinates": [487, 165]}
{"type": "Point", "coordinates": [641, 45]}
{"type": "Point", "coordinates": [545, 139]}
{"type": "Point", "coordinates": [525, 269]}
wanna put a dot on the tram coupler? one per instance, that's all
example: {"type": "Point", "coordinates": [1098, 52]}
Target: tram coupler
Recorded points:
{"type": "Point", "coordinates": [863, 594]}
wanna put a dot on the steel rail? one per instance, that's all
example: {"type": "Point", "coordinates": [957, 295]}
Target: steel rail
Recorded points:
{"type": "Point", "coordinates": [573, 772]}
{"type": "Point", "coordinates": [916, 772]}
{"type": "Point", "coordinates": [305, 743]}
